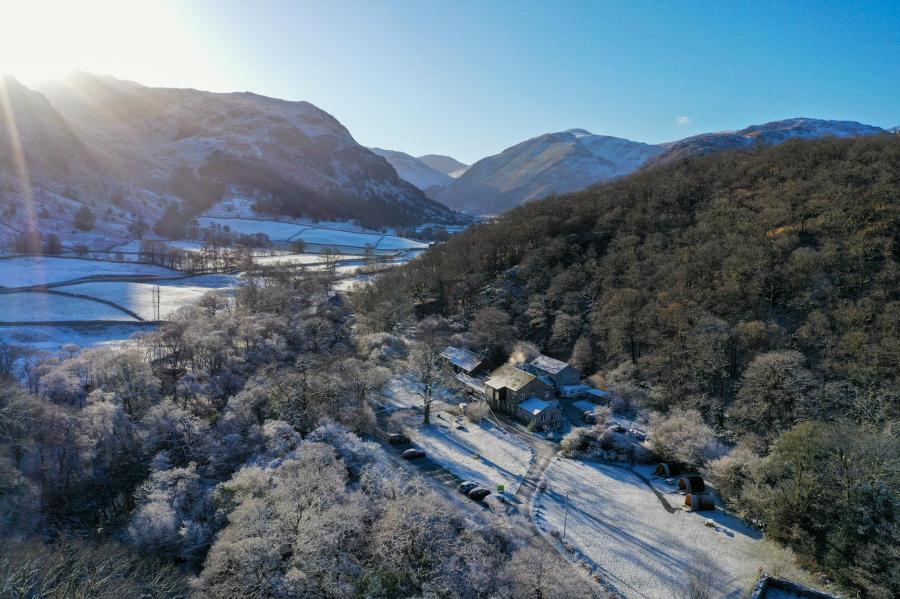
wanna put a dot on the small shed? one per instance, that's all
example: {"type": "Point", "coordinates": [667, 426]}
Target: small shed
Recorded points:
{"type": "Point", "coordinates": [698, 502]}
{"type": "Point", "coordinates": [463, 360]}
{"type": "Point", "coordinates": [691, 483]}
{"type": "Point", "coordinates": [667, 469]}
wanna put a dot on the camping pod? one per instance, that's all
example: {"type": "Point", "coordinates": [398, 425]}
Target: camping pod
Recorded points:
{"type": "Point", "coordinates": [667, 470]}
{"type": "Point", "coordinates": [699, 502]}
{"type": "Point", "coordinates": [691, 484]}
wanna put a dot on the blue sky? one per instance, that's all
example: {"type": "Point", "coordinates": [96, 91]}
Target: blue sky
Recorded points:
{"type": "Point", "coordinates": [472, 78]}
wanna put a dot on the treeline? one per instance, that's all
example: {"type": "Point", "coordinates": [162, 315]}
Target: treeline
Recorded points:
{"type": "Point", "coordinates": [759, 288]}
{"type": "Point", "coordinates": [222, 456]}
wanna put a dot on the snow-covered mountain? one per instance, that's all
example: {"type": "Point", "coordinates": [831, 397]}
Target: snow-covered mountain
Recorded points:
{"type": "Point", "coordinates": [413, 170]}
{"type": "Point", "coordinates": [128, 150]}
{"type": "Point", "coordinates": [553, 163]}
{"type": "Point", "coordinates": [445, 164]}
{"type": "Point", "coordinates": [573, 160]}
{"type": "Point", "coordinates": [772, 133]}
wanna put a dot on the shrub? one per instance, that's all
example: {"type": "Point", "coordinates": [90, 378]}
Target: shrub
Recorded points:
{"type": "Point", "coordinates": [682, 437]}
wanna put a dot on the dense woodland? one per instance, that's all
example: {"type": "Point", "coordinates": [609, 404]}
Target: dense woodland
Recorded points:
{"type": "Point", "coordinates": [749, 298]}
{"type": "Point", "coordinates": [224, 455]}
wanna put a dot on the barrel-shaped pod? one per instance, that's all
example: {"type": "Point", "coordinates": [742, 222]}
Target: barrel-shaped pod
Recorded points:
{"type": "Point", "coordinates": [697, 502]}
{"type": "Point", "coordinates": [667, 470]}
{"type": "Point", "coordinates": [691, 483]}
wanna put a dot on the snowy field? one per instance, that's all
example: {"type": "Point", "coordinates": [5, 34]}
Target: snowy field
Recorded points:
{"type": "Point", "coordinates": [621, 528]}
{"type": "Point", "coordinates": [38, 307]}
{"type": "Point", "coordinates": [40, 270]}
{"type": "Point", "coordinates": [50, 340]}
{"type": "Point", "coordinates": [284, 232]}
{"type": "Point", "coordinates": [482, 453]}
{"type": "Point", "coordinates": [138, 297]}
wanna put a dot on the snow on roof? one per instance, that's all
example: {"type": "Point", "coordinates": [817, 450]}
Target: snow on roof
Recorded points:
{"type": "Point", "coordinates": [462, 358]}
{"type": "Point", "coordinates": [509, 377]}
{"type": "Point", "coordinates": [535, 406]}
{"type": "Point", "coordinates": [597, 392]}
{"type": "Point", "coordinates": [470, 382]}
{"type": "Point", "coordinates": [548, 364]}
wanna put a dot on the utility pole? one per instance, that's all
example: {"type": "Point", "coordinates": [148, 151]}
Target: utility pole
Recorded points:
{"type": "Point", "coordinates": [156, 298]}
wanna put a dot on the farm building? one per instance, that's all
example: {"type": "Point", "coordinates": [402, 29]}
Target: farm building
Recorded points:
{"type": "Point", "coordinates": [463, 360]}
{"type": "Point", "coordinates": [508, 386]}
{"type": "Point", "coordinates": [557, 372]}
{"type": "Point", "coordinates": [541, 413]}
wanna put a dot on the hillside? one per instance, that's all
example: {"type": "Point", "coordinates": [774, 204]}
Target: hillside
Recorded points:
{"type": "Point", "coordinates": [756, 290]}
{"type": "Point", "coordinates": [767, 134]}
{"type": "Point", "coordinates": [800, 239]}
{"type": "Point", "coordinates": [415, 171]}
{"type": "Point", "coordinates": [128, 151]}
{"type": "Point", "coordinates": [445, 164]}
{"type": "Point", "coordinates": [574, 160]}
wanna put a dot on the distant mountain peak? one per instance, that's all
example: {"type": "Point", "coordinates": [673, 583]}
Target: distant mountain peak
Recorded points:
{"type": "Point", "coordinates": [414, 170]}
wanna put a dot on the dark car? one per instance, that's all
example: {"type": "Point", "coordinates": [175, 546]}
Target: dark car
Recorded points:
{"type": "Point", "coordinates": [398, 439]}
{"type": "Point", "coordinates": [465, 486]}
{"type": "Point", "coordinates": [479, 493]}
{"type": "Point", "coordinates": [590, 417]}
{"type": "Point", "coordinates": [412, 454]}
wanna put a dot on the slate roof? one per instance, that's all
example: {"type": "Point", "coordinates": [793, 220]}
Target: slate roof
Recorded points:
{"type": "Point", "coordinates": [470, 382]}
{"type": "Point", "coordinates": [509, 377]}
{"type": "Point", "coordinates": [548, 364]}
{"type": "Point", "coordinates": [535, 406]}
{"type": "Point", "coordinates": [462, 358]}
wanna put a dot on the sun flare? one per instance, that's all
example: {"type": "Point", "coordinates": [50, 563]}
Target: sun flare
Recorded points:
{"type": "Point", "coordinates": [44, 39]}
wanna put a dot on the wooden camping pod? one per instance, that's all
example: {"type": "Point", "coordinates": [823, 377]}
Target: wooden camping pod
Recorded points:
{"type": "Point", "coordinates": [667, 470]}
{"type": "Point", "coordinates": [697, 502]}
{"type": "Point", "coordinates": [691, 484]}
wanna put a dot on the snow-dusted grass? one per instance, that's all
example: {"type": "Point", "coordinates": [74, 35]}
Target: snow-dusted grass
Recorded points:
{"type": "Point", "coordinates": [619, 526]}
{"type": "Point", "coordinates": [138, 297]}
{"type": "Point", "coordinates": [482, 452]}
{"type": "Point", "coordinates": [389, 242]}
{"type": "Point", "coordinates": [40, 270]}
{"type": "Point", "coordinates": [39, 306]}
{"type": "Point", "coordinates": [299, 259]}
{"type": "Point", "coordinates": [50, 340]}
{"type": "Point", "coordinates": [280, 231]}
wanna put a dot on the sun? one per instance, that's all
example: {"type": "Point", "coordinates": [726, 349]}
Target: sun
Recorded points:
{"type": "Point", "coordinates": [147, 41]}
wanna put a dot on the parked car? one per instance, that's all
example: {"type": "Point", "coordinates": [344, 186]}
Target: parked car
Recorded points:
{"type": "Point", "coordinates": [617, 428]}
{"type": "Point", "coordinates": [398, 439]}
{"type": "Point", "coordinates": [641, 435]}
{"type": "Point", "coordinates": [413, 453]}
{"type": "Point", "coordinates": [498, 504]}
{"type": "Point", "coordinates": [590, 417]}
{"type": "Point", "coordinates": [465, 486]}
{"type": "Point", "coordinates": [479, 493]}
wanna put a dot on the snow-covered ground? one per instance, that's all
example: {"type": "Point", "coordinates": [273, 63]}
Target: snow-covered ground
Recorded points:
{"type": "Point", "coordinates": [38, 307]}
{"type": "Point", "coordinates": [280, 231]}
{"type": "Point", "coordinates": [138, 297]}
{"type": "Point", "coordinates": [50, 340]}
{"type": "Point", "coordinates": [40, 270]}
{"type": "Point", "coordinates": [482, 452]}
{"type": "Point", "coordinates": [620, 527]}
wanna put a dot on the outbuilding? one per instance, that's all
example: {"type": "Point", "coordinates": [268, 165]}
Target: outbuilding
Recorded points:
{"type": "Point", "coordinates": [541, 413]}
{"type": "Point", "coordinates": [464, 360]}
{"type": "Point", "coordinates": [558, 372]}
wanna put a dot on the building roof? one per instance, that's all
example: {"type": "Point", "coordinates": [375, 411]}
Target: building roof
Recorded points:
{"type": "Point", "coordinates": [535, 406]}
{"type": "Point", "coordinates": [462, 358]}
{"type": "Point", "coordinates": [470, 382]}
{"type": "Point", "coordinates": [510, 377]}
{"type": "Point", "coordinates": [548, 364]}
